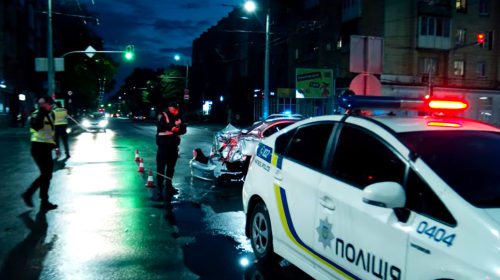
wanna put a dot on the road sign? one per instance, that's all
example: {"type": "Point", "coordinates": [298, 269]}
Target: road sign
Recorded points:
{"type": "Point", "coordinates": [70, 93]}
{"type": "Point", "coordinates": [366, 84]}
{"type": "Point", "coordinates": [90, 52]}
{"type": "Point", "coordinates": [367, 55]}
{"type": "Point", "coordinates": [42, 64]}
{"type": "Point", "coordinates": [186, 96]}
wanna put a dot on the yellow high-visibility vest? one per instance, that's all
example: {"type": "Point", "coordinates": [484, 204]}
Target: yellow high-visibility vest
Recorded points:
{"type": "Point", "coordinates": [44, 135]}
{"type": "Point", "coordinates": [61, 116]}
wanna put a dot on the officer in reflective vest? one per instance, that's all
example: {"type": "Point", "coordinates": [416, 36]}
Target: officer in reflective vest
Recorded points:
{"type": "Point", "coordinates": [42, 144]}
{"type": "Point", "coordinates": [61, 124]}
{"type": "Point", "coordinates": [169, 130]}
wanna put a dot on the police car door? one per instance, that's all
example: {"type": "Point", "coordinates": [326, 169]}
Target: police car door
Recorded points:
{"type": "Point", "coordinates": [297, 185]}
{"type": "Point", "coordinates": [358, 240]}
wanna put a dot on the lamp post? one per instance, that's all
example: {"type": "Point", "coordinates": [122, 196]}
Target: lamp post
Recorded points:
{"type": "Point", "coordinates": [250, 6]}
{"type": "Point", "coordinates": [50, 53]}
{"type": "Point", "coordinates": [177, 57]}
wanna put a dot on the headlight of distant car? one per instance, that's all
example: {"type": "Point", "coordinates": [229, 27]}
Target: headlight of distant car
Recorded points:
{"type": "Point", "coordinates": [103, 123]}
{"type": "Point", "coordinates": [86, 123]}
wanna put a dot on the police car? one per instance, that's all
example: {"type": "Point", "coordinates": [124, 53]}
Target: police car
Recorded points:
{"type": "Point", "coordinates": [379, 197]}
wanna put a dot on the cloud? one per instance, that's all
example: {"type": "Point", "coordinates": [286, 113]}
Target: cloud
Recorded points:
{"type": "Point", "coordinates": [158, 29]}
{"type": "Point", "coordinates": [188, 27]}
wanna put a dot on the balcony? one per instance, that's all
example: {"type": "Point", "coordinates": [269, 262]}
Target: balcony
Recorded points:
{"type": "Point", "coordinates": [440, 8]}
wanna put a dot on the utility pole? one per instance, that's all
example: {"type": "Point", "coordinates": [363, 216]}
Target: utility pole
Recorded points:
{"type": "Point", "coordinates": [266, 71]}
{"type": "Point", "coordinates": [50, 54]}
{"type": "Point", "coordinates": [187, 83]}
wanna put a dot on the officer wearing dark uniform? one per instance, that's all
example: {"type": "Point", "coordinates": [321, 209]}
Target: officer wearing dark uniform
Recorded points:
{"type": "Point", "coordinates": [42, 144]}
{"type": "Point", "coordinates": [169, 130]}
{"type": "Point", "coordinates": [61, 123]}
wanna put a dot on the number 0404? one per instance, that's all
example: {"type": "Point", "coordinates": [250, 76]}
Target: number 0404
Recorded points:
{"type": "Point", "coordinates": [435, 233]}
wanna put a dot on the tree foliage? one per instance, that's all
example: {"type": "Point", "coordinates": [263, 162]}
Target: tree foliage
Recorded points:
{"type": "Point", "coordinates": [81, 73]}
{"type": "Point", "coordinates": [146, 88]}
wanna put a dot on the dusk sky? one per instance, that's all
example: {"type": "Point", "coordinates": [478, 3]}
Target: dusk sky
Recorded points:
{"type": "Point", "coordinates": [159, 29]}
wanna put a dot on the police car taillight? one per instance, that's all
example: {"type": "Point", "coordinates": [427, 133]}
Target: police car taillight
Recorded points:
{"type": "Point", "coordinates": [444, 124]}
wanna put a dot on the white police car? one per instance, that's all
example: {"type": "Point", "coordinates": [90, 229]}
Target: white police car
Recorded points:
{"type": "Point", "coordinates": [387, 197]}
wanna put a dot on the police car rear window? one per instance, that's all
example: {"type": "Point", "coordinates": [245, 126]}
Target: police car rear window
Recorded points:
{"type": "Point", "coordinates": [468, 161]}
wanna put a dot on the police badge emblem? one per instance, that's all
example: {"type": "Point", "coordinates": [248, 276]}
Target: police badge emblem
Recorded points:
{"type": "Point", "coordinates": [325, 233]}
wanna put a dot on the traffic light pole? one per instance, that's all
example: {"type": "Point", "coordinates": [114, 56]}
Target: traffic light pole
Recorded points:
{"type": "Point", "coordinates": [431, 70]}
{"type": "Point", "coordinates": [50, 53]}
{"type": "Point", "coordinates": [93, 52]}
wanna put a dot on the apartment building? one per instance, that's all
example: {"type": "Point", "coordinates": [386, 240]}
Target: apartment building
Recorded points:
{"type": "Point", "coordinates": [22, 39]}
{"type": "Point", "coordinates": [432, 42]}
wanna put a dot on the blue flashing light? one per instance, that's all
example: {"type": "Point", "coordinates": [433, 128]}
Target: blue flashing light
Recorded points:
{"type": "Point", "coordinates": [381, 102]}
{"type": "Point", "coordinates": [288, 113]}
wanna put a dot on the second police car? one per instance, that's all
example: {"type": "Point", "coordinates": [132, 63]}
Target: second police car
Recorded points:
{"type": "Point", "coordinates": [386, 197]}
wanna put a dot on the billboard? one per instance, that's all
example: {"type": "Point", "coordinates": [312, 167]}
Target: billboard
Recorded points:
{"type": "Point", "coordinates": [314, 83]}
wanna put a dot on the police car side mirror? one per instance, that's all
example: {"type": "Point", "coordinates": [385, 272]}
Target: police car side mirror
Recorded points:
{"type": "Point", "coordinates": [385, 194]}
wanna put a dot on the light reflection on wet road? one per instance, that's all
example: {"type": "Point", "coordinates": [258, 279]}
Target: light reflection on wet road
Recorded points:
{"type": "Point", "coordinates": [107, 228]}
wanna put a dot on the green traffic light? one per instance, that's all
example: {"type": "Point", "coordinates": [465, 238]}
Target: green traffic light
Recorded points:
{"type": "Point", "coordinates": [109, 105]}
{"type": "Point", "coordinates": [102, 105]}
{"type": "Point", "coordinates": [128, 56]}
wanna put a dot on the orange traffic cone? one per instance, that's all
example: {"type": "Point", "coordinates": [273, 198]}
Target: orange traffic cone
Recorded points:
{"type": "Point", "coordinates": [151, 182]}
{"type": "Point", "coordinates": [137, 156]}
{"type": "Point", "coordinates": [141, 166]}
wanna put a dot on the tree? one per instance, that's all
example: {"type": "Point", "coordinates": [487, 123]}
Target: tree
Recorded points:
{"type": "Point", "coordinates": [146, 88]}
{"type": "Point", "coordinates": [81, 73]}
{"type": "Point", "coordinates": [173, 83]}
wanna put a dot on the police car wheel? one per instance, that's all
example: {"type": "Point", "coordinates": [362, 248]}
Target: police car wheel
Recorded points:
{"type": "Point", "coordinates": [261, 235]}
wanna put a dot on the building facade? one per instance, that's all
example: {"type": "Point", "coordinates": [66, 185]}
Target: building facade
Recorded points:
{"type": "Point", "coordinates": [22, 37]}
{"type": "Point", "coordinates": [430, 46]}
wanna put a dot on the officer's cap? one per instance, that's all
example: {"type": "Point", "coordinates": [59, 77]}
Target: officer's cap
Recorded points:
{"type": "Point", "coordinates": [174, 104]}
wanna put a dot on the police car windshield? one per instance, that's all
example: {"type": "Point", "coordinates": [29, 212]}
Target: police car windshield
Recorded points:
{"type": "Point", "coordinates": [468, 161]}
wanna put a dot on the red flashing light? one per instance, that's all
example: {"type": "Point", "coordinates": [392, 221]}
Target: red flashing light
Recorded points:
{"type": "Point", "coordinates": [448, 105]}
{"type": "Point", "coordinates": [444, 124]}
{"type": "Point", "coordinates": [480, 38]}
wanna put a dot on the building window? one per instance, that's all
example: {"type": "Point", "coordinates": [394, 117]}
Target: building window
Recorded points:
{"type": "Point", "coordinates": [461, 6]}
{"type": "Point", "coordinates": [458, 68]}
{"type": "Point", "coordinates": [484, 7]}
{"type": "Point", "coordinates": [426, 64]}
{"type": "Point", "coordinates": [460, 36]}
{"type": "Point", "coordinates": [430, 26]}
{"type": "Point", "coordinates": [481, 69]}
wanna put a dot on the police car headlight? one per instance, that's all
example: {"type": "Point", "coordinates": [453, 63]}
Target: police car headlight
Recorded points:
{"type": "Point", "coordinates": [103, 123]}
{"type": "Point", "coordinates": [86, 123]}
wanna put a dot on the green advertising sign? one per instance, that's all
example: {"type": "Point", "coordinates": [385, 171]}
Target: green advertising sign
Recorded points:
{"type": "Point", "coordinates": [314, 83]}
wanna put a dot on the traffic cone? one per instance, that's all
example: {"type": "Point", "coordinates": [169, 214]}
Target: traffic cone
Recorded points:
{"type": "Point", "coordinates": [151, 182]}
{"type": "Point", "coordinates": [141, 166]}
{"type": "Point", "coordinates": [137, 156]}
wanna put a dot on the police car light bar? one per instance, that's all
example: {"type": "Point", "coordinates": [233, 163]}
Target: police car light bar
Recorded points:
{"type": "Point", "coordinates": [401, 103]}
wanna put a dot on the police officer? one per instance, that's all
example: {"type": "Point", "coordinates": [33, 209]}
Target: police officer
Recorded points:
{"type": "Point", "coordinates": [42, 144]}
{"type": "Point", "coordinates": [169, 130]}
{"type": "Point", "coordinates": [61, 124]}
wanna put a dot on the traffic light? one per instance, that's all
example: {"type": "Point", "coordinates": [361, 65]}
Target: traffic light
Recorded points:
{"type": "Point", "coordinates": [129, 52]}
{"type": "Point", "coordinates": [480, 39]}
{"type": "Point", "coordinates": [109, 104]}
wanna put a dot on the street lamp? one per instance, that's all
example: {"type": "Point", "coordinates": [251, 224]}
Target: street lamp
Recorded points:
{"type": "Point", "coordinates": [178, 57]}
{"type": "Point", "coordinates": [250, 6]}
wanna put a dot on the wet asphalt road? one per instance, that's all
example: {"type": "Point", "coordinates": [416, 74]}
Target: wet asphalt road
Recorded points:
{"type": "Point", "coordinates": [107, 228]}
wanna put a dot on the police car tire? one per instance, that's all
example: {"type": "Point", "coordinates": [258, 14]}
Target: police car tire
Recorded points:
{"type": "Point", "coordinates": [268, 256]}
